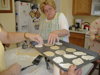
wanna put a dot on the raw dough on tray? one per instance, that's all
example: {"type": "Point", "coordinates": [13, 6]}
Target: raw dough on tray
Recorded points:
{"type": "Point", "coordinates": [69, 56]}
{"type": "Point", "coordinates": [49, 53]}
{"type": "Point", "coordinates": [65, 65]}
{"type": "Point", "coordinates": [60, 52]}
{"type": "Point", "coordinates": [58, 59]}
{"type": "Point", "coordinates": [58, 43]}
{"type": "Point", "coordinates": [88, 57]}
{"type": "Point", "coordinates": [54, 47]}
{"type": "Point", "coordinates": [70, 50]}
{"type": "Point", "coordinates": [38, 45]}
{"type": "Point", "coordinates": [77, 61]}
{"type": "Point", "coordinates": [79, 53]}
{"type": "Point", "coordinates": [46, 44]}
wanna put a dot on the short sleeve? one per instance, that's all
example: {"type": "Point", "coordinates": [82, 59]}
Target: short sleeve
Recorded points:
{"type": "Point", "coordinates": [63, 22]}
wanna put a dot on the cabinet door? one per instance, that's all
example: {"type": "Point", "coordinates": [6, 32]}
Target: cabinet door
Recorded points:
{"type": "Point", "coordinates": [82, 7]}
{"type": "Point", "coordinates": [77, 39]}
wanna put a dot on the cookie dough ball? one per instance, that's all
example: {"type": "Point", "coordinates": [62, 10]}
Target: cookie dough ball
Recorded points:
{"type": "Point", "coordinates": [79, 53]}
{"type": "Point", "coordinates": [78, 61]}
{"type": "Point", "coordinates": [87, 57]}
{"type": "Point", "coordinates": [58, 59]}
{"type": "Point", "coordinates": [49, 53]}
{"type": "Point", "coordinates": [69, 56]}
{"type": "Point", "coordinates": [39, 46]}
{"type": "Point", "coordinates": [54, 47]}
{"type": "Point", "coordinates": [58, 43]}
{"type": "Point", "coordinates": [60, 52]}
{"type": "Point", "coordinates": [46, 44]}
{"type": "Point", "coordinates": [70, 50]}
{"type": "Point", "coordinates": [65, 65]}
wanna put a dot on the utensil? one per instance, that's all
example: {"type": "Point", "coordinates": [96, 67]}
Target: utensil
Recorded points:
{"type": "Point", "coordinates": [47, 63]}
{"type": "Point", "coordinates": [36, 61]}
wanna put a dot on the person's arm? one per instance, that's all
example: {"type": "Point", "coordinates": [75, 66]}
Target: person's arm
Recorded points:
{"type": "Point", "coordinates": [64, 30]}
{"type": "Point", "coordinates": [64, 27]}
{"type": "Point", "coordinates": [14, 69]}
{"type": "Point", "coordinates": [15, 37]}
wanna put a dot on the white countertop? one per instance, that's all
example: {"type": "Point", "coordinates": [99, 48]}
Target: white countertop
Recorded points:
{"type": "Point", "coordinates": [24, 57]}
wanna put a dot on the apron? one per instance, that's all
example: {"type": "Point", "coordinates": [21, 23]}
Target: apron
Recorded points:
{"type": "Point", "coordinates": [48, 26]}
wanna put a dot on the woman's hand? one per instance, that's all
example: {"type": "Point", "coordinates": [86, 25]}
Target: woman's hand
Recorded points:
{"type": "Point", "coordinates": [71, 71]}
{"type": "Point", "coordinates": [14, 69]}
{"type": "Point", "coordinates": [34, 37]}
{"type": "Point", "coordinates": [53, 37]}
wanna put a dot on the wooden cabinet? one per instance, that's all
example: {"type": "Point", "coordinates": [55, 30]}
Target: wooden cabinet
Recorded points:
{"type": "Point", "coordinates": [77, 39]}
{"type": "Point", "coordinates": [82, 7]}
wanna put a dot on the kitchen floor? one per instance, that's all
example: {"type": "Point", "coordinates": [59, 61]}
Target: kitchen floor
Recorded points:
{"type": "Point", "coordinates": [95, 72]}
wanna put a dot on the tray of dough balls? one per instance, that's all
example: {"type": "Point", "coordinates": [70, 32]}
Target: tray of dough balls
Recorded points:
{"type": "Point", "coordinates": [64, 54]}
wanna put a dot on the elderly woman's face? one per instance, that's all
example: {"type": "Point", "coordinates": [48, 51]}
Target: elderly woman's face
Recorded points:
{"type": "Point", "coordinates": [49, 12]}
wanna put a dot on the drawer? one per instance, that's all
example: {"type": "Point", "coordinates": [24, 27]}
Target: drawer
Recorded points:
{"type": "Point", "coordinates": [77, 35]}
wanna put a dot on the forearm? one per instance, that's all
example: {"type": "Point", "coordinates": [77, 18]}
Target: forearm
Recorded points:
{"type": "Point", "coordinates": [13, 37]}
{"type": "Point", "coordinates": [62, 32]}
{"type": "Point", "coordinates": [6, 72]}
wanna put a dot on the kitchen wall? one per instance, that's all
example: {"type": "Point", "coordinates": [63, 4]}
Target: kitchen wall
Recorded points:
{"type": "Point", "coordinates": [66, 8]}
{"type": "Point", "coordinates": [87, 18]}
{"type": "Point", "coordinates": [8, 21]}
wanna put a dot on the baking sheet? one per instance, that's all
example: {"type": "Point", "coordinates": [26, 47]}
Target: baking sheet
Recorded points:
{"type": "Point", "coordinates": [63, 47]}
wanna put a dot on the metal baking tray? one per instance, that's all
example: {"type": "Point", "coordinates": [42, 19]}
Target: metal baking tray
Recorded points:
{"type": "Point", "coordinates": [63, 47]}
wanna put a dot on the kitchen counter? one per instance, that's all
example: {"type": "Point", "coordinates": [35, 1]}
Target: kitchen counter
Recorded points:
{"type": "Point", "coordinates": [81, 36]}
{"type": "Point", "coordinates": [80, 31]}
{"type": "Point", "coordinates": [24, 57]}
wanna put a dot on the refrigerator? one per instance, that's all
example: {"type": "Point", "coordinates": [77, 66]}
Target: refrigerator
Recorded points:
{"type": "Point", "coordinates": [24, 22]}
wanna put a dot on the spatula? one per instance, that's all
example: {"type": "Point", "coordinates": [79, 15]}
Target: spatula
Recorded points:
{"type": "Point", "coordinates": [36, 61]}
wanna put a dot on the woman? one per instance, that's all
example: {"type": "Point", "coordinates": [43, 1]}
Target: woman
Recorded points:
{"type": "Point", "coordinates": [95, 40]}
{"type": "Point", "coordinates": [95, 35]}
{"type": "Point", "coordinates": [55, 25]}
{"type": "Point", "coordinates": [13, 37]}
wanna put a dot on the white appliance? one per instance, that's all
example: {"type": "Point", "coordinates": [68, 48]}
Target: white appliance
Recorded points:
{"type": "Point", "coordinates": [95, 8]}
{"type": "Point", "coordinates": [22, 18]}
{"type": "Point", "coordinates": [24, 21]}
